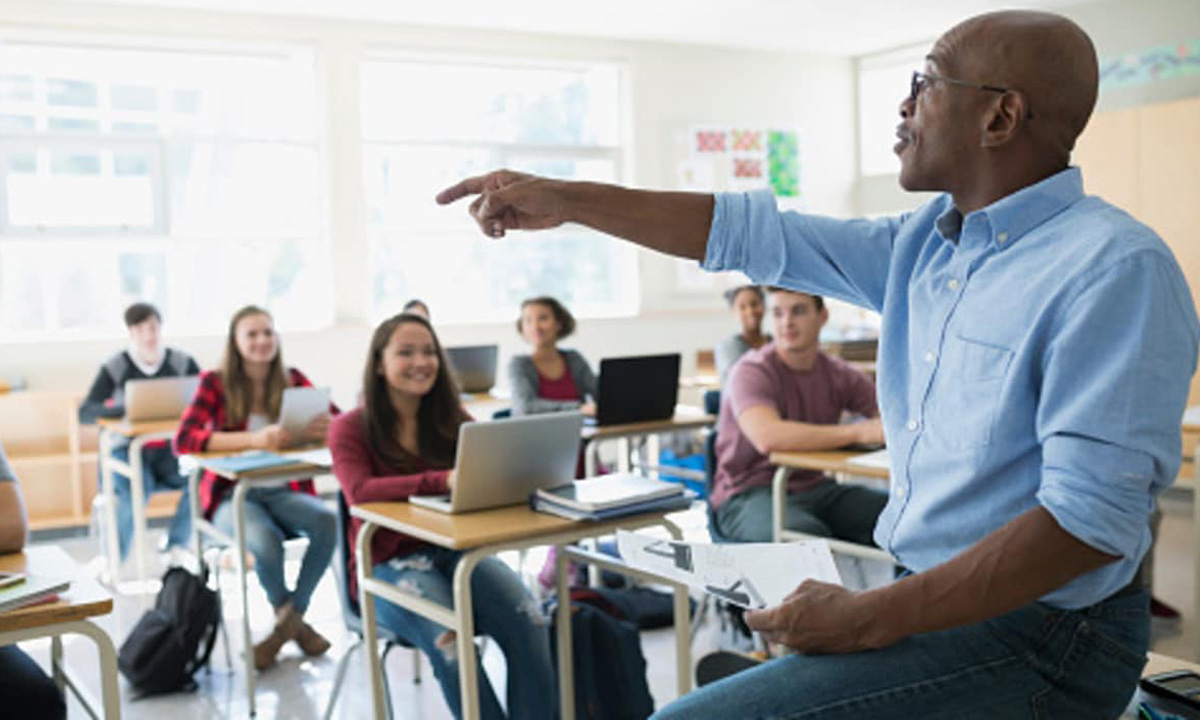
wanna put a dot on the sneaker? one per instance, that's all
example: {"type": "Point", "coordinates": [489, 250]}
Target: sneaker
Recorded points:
{"type": "Point", "coordinates": [1162, 611]}
{"type": "Point", "coordinates": [721, 664]}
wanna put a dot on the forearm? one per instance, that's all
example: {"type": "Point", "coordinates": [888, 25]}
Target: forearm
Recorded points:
{"type": "Point", "coordinates": [676, 223]}
{"type": "Point", "coordinates": [1012, 567]}
{"type": "Point", "coordinates": [229, 441]}
{"type": "Point", "coordinates": [791, 436]}
{"type": "Point", "coordinates": [13, 522]}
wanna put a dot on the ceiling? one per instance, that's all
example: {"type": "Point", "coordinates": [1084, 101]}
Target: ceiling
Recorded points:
{"type": "Point", "coordinates": [845, 27]}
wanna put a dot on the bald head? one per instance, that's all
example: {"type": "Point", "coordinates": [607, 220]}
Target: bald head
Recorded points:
{"type": "Point", "coordinates": [1047, 58]}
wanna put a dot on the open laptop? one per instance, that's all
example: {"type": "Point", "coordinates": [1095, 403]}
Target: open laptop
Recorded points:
{"type": "Point", "coordinates": [158, 398]}
{"type": "Point", "coordinates": [500, 462]}
{"type": "Point", "coordinates": [637, 389]}
{"type": "Point", "coordinates": [474, 366]}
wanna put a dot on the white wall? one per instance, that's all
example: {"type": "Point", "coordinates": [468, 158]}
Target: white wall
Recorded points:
{"type": "Point", "coordinates": [671, 88]}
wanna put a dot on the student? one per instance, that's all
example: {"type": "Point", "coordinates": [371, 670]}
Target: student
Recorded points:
{"type": "Point", "coordinates": [400, 443]}
{"type": "Point", "coordinates": [549, 379]}
{"type": "Point", "coordinates": [145, 358]}
{"type": "Point", "coordinates": [748, 303]}
{"type": "Point", "coordinates": [237, 408]}
{"type": "Point", "coordinates": [790, 396]}
{"type": "Point", "coordinates": [26, 690]}
{"type": "Point", "coordinates": [417, 307]}
{"type": "Point", "coordinates": [1029, 423]}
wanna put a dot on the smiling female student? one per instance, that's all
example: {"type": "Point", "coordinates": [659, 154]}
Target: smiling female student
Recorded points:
{"type": "Point", "coordinates": [400, 443]}
{"type": "Point", "coordinates": [237, 408]}
{"type": "Point", "coordinates": [549, 379]}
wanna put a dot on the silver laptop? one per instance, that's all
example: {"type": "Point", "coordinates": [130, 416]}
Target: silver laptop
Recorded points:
{"type": "Point", "coordinates": [474, 366]}
{"type": "Point", "coordinates": [158, 398]}
{"type": "Point", "coordinates": [501, 461]}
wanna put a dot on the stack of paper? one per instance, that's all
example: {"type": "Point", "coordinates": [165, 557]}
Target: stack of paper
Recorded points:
{"type": "Point", "coordinates": [33, 589]}
{"type": "Point", "coordinates": [609, 496]}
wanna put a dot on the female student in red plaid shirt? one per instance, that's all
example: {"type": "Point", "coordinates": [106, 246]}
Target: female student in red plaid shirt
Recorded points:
{"type": "Point", "coordinates": [402, 442]}
{"type": "Point", "coordinates": [236, 408]}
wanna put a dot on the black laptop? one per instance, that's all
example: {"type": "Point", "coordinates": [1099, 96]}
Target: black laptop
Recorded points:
{"type": "Point", "coordinates": [637, 389]}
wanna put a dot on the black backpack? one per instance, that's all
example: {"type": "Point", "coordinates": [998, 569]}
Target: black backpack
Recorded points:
{"type": "Point", "coordinates": [610, 670]}
{"type": "Point", "coordinates": [175, 639]}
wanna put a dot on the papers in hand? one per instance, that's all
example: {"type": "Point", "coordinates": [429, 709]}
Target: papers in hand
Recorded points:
{"type": "Point", "coordinates": [878, 459]}
{"type": "Point", "coordinates": [300, 405]}
{"type": "Point", "coordinates": [751, 575]}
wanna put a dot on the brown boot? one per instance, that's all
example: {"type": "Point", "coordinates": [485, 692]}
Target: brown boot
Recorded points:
{"type": "Point", "coordinates": [311, 642]}
{"type": "Point", "coordinates": [287, 626]}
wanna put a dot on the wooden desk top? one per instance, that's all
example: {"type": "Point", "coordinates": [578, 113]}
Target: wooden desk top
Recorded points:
{"type": "Point", "coordinates": [488, 527]}
{"type": "Point", "coordinates": [1162, 663]}
{"type": "Point", "coordinates": [830, 461]}
{"type": "Point", "coordinates": [686, 417]}
{"type": "Point", "coordinates": [123, 427]}
{"type": "Point", "coordinates": [84, 599]}
{"type": "Point", "coordinates": [295, 470]}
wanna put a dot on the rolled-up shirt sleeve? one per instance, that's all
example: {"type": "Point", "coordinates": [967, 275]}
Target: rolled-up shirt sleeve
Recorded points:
{"type": "Point", "coordinates": [1115, 382]}
{"type": "Point", "coordinates": [844, 259]}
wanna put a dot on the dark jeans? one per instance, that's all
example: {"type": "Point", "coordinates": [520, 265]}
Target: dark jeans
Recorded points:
{"type": "Point", "coordinates": [1036, 662]}
{"type": "Point", "coordinates": [26, 691]}
{"type": "Point", "coordinates": [845, 512]}
{"type": "Point", "coordinates": [160, 471]}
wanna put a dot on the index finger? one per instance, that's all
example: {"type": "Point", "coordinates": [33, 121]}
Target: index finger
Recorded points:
{"type": "Point", "coordinates": [762, 620]}
{"type": "Point", "coordinates": [461, 189]}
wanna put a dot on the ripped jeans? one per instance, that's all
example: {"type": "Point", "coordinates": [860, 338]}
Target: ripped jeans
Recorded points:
{"type": "Point", "coordinates": [504, 611]}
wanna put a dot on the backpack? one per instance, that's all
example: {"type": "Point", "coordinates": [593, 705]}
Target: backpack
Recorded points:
{"type": "Point", "coordinates": [175, 639]}
{"type": "Point", "coordinates": [610, 670]}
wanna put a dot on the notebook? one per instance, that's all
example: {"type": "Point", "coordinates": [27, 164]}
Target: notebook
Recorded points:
{"type": "Point", "coordinates": [605, 492]}
{"type": "Point", "coordinates": [35, 588]}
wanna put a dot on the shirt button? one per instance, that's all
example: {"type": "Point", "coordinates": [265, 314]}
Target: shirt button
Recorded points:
{"type": "Point", "coordinates": [953, 284]}
{"type": "Point", "coordinates": [929, 356]}
{"type": "Point", "coordinates": [900, 491]}
{"type": "Point", "coordinates": [912, 425]}
{"type": "Point", "coordinates": [1001, 237]}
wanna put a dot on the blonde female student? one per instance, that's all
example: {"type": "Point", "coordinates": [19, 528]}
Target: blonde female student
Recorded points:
{"type": "Point", "coordinates": [400, 443]}
{"type": "Point", "coordinates": [237, 408]}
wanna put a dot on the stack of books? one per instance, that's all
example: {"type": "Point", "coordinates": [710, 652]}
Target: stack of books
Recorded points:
{"type": "Point", "coordinates": [609, 496]}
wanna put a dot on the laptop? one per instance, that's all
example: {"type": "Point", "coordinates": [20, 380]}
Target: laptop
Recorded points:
{"type": "Point", "coordinates": [500, 462]}
{"type": "Point", "coordinates": [158, 398]}
{"type": "Point", "coordinates": [637, 389]}
{"type": "Point", "coordinates": [474, 366]}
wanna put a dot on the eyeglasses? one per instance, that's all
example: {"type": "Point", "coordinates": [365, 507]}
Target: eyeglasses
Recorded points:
{"type": "Point", "coordinates": [922, 80]}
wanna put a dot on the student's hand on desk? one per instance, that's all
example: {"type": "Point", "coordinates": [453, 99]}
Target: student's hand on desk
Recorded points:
{"type": "Point", "coordinates": [272, 437]}
{"type": "Point", "coordinates": [588, 409]}
{"type": "Point", "coordinates": [509, 201]}
{"type": "Point", "coordinates": [317, 429]}
{"type": "Point", "coordinates": [817, 618]}
{"type": "Point", "coordinates": [869, 432]}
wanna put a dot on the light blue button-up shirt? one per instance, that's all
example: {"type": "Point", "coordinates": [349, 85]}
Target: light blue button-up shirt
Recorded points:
{"type": "Point", "coordinates": [1036, 352]}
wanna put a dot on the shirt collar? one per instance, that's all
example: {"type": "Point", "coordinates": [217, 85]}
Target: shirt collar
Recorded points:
{"type": "Point", "coordinates": [147, 370]}
{"type": "Point", "coordinates": [1013, 216]}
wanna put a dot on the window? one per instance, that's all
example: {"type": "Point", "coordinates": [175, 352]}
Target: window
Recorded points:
{"type": "Point", "coordinates": [427, 124]}
{"type": "Point", "coordinates": [883, 82]}
{"type": "Point", "coordinates": [185, 178]}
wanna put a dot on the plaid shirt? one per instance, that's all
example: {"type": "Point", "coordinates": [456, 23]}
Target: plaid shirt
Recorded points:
{"type": "Point", "coordinates": [206, 415]}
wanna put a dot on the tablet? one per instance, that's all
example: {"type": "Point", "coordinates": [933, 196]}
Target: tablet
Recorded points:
{"type": "Point", "coordinates": [300, 406]}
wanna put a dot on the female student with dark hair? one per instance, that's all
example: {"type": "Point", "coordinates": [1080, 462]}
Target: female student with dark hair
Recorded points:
{"type": "Point", "coordinates": [748, 303]}
{"type": "Point", "coordinates": [237, 408]}
{"type": "Point", "coordinates": [549, 379]}
{"type": "Point", "coordinates": [400, 443]}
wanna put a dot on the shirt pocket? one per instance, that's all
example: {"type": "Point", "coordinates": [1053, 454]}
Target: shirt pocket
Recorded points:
{"type": "Point", "coordinates": [967, 401]}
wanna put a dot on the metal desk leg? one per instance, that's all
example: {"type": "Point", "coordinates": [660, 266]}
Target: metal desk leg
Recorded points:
{"type": "Point", "coordinates": [468, 669]}
{"type": "Point", "coordinates": [110, 508]}
{"type": "Point", "coordinates": [366, 604]}
{"type": "Point", "coordinates": [778, 502]}
{"type": "Point", "coordinates": [683, 630]}
{"type": "Point", "coordinates": [562, 626]}
{"type": "Point", "coordinates": [108, 667]}
{"type": "Point", "coordinates": [137, 498]}
{"type": "Point", "coordinates": [591, 458]}
{"type": "Point", "coordinates": [56, 663]}
{"type": "Point", "coordinates": [239, 531]}
{"type": "Point", "coordinates": [193, 492]}
{"type": "Point", "coordinates": [111, 704]}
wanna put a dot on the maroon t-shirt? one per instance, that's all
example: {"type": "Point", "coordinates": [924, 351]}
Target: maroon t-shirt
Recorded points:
{"type": "Point", "coordinates": [818, 395]}
{"type": "Point", "coordinates": [563, 388]}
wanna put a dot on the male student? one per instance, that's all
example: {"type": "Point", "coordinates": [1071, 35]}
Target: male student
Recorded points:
{"type": "Point", "coordinates": [788, 395]}
{"type": "Point", "coordinates": [1034, 361]}
{"type": "Point", "coordinates": [25, 690]}
{"type": "Point", "coordinates": [146, 357]}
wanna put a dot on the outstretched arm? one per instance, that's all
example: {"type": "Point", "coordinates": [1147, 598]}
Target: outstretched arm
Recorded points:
{"type": "Point", "coordinates": [676, 223]}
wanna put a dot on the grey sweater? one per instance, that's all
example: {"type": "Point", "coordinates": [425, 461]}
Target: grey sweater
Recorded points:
{"type": "Point", "coordinates": [523, 379]}
{"type": "Point", "coordinates": [729, 351]}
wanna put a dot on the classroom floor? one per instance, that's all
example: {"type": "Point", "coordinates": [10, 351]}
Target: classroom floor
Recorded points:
{"type": "Point", "coordinates": [300, 688]}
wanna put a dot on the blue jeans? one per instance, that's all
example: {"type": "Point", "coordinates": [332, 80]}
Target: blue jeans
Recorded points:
{"type": "Point", "coordinates": [160, 471]}
{"type": "Point", "coordinates": [830, 509]}
{"type": "Point", "coordinates": [1035, 662]}
{"type": "Point", "coordinates": [504, 611]}
{"type": "Point", "coordinates": [275, 514]}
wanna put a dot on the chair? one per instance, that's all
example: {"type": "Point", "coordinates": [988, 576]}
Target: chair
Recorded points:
{"type": "Point", "coordinates": [352, 616]}
{"type": "Point", "coordinates": [712, 406]}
